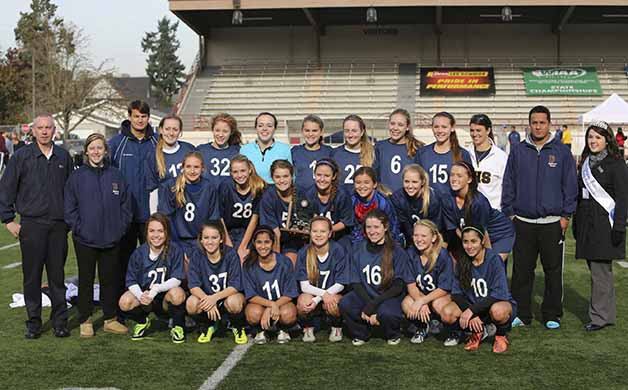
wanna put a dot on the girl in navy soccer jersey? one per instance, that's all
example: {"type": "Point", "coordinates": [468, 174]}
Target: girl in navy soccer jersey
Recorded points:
{"type": "Point", "coordinates": [269, 287]}
{"type": "Point", "coordinates": [304, 156]}
{"type": "Point", "coordinates": [331, 201]}
{"type": "Point", "coordinates": [168, 159]}
{"type": "Point", "coordinates": [239, 201]}
{"type": "Point", "coordinates": [437, 157]}
{"type": "Point", "coordinates": [377, 275]}
{"type": "Point", "coordinates": [430, 278]}
{"type": "Point", "coordinates": [189, 201]}
{"type": "Point", "coordinates": [366, 198]}
{"type": "Point", "coordinates": [356, 152]}
{"type": "Point", "coordinates": [488, 160]}
{"type": "Point", "coordinates": [322, 273]}
{"type": "Point", "coordinates": [479, 295]}
{"type": "Point", "coordinates": [393, 154]}
{"type": "Point", "coordinates": [466, 205]}
{"type": "Point", "coordinates": [153, 278]}
{"type": "Point", "coordinates": [226, 144]}
{"type": "Point", "coordinates": [274, 209]}
{"type": "Point", "coordinates": [416, 201]}
{"type": "Point", "coordinates": [215, 282]}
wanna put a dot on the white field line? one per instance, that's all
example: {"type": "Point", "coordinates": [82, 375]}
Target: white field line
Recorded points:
{"type": "Point", "coordinates": [230, 362]}
{"type": "Point", "coordinates": [9, 246]}
{"type": "Point", "coordinates": [623, 264]}
{"type": "Point", "coordinates": [12, 265]}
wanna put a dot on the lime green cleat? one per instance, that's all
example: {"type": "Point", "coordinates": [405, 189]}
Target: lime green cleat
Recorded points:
{"type": "Point", "coordinates": [177, 334]}
{"type": "Point", "coordinates": [206, 336]}
{"type": "Point", "coordinates": [239, 336]}
{"type": "Point", "coordinates": [139, 330]}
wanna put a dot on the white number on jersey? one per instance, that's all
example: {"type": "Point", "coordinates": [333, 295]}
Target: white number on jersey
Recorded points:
{"type": "Point", "coordinates": [351, 171]}
{"type": "Point", "coordinates": [267, 287]}
{"type": "Point", "coordinates": [439, 173]}
{"type": "Point", "coordinates": [175, 169]}
{"type": "Point", "coordinates": [242, 210]}
{"type": "Point", "coordinates": [415, 218]}
{"type": "Point", "coordinates": [480, 289]}
{"type": "Point", "coordinates": [284, 218]}
{"type": "Point", "coordinates": [158, 275]}
{"type": "Point", "coordinates": [312, 167]}
{"type": "Point", "coordinates": [190, 208]}
{"type": "Point", "coordinates": [373, 274]}
{"type": "Point", "coordinates": [428, 280]}
{"type": "Point", "coordinates": [325, 275]}
{"type": "Point", "coordinates": [216, 286]}
{"type": "Point", "coordinates": [395, 164]}
{"type": "Point", "coordinates": [219, 167]}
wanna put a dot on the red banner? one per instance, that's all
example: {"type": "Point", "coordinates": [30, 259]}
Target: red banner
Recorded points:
{"type": "Point", "coordinates": [457, 81]}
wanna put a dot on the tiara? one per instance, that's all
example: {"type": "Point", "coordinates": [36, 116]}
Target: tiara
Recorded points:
{"type": "Point", "coordinates": [599, 124]}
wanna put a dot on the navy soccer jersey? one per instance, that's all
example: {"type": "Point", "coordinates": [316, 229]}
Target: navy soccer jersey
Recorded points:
{"type": "Point", "coordinates": [348, 162]}
{"type": "Point", "coordinates": [214, 278]}
{"type": "Point", "coordinates": [334, 269]}
{"type": "Point", "coordinates": [217, 161]}
{"type": "Point", "coordinates": [339, 209]}
{"type": "Point", "coordinates": [482, 215]}
{"type": "Point", "coordinates": [487, 280]}
{"type": "Point", "coordinates": [304, 162]}
{"type": "Point", "coordinates": [390, 160]}
{"type": "Point", "coordinates": [366, 267]}
{"type": "Point", "coordinates": [174, 163]}
{"type": "Point", "coordinates": [409, 211]}
{"type": "Point", "coordinates": [272, 285]}
{"type": "Point", "coordinates": [273, 210]}
{"type": "Point", "coordinates": [236, 209]}
{"type": "Point", "coordinates": [441, 276]}
{"type": "Point", "coordinates": [438, 166]}
{"type": "Point", "coordinates": [201, 205]}
{"type": "Point", "coordinates": [146, 272]}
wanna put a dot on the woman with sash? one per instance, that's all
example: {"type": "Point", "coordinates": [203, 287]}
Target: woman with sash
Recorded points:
{"type": "Point", "coordinates": [600, 222]}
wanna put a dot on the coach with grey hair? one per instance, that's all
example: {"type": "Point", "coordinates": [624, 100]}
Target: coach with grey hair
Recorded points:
{"type": "Point", "coordinates": [33, 186]}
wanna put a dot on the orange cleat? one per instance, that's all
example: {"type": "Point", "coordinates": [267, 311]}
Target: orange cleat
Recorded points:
{"type": "Point", "coordinates": [500, 345]}
{"type": "Point", "coordinates": [473, 343]}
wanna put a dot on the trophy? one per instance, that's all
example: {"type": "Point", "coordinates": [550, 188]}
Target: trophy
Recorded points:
{"type": "Point", "coordinates": [300, 213]}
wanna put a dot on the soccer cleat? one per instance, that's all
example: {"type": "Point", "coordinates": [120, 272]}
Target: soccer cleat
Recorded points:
{"type": "Point", "coordinates": [358, 342]}
{"type": "Point", "coordinates": [308, 335]}
{"type": "Point", "coordinates": [177, 334]}
{"type": "Point", "coordinates": [473, 343]}
{"type": "Point", "coordinates": [283, 337]}
{"type": "Point", "coordinates": [239, 336]}
{"type": "Point", "coordinates": [61, 332]}
{"type": "Point", "coordinates": [206, 335]}
{"type": "Point", "coordinates": [260, 338]}
{"type": "Point", "coordinates": [335, 335]}
{"type": "Point", "coordinates": [452, 340]}
{"type": "Point", "coordinates": [517, 323]}
{"type": "Point", "coordinates": [500, 345]}
{"type": "Point", "coordinates": [419, 336]}
{"type": "Point", "coordinates": [115, 327]}
{"type": "Point", "coordinates": [139, 330]}
{"type": "Point", "coordinates": [552, 324]}
{"type": "Point", "coordinates": [395, 341]}
{"type": "Point", "coordinates": [86, 329]}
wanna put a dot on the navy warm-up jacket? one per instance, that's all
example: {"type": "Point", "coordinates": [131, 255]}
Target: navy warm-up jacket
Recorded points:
{"type": "Point", "coordinates": [97, 206]}
{"type": "Point", "coordinates": [541, 183]}
{"type": "Point", "coordinates": [128, 154]}
{"type": "Point", "coordinates": [33, 185]}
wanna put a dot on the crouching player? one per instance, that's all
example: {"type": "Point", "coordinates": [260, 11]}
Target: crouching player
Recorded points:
{"type": "Point", "coordinates": [321, 275]}
{"type": "Point", "coordinates": [153, 278]}
{"type": "Point", "coordinates": [215, 282]}
{"type": "Point", "coordinates": [430, 278]}
{"type": "Point", "coordinates": [479, 294]}
{"type": "Point", "coordinates": [270, 287]}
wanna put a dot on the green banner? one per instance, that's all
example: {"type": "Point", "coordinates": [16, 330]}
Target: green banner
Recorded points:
{"type": "Point", "coordinates": [562, 82]}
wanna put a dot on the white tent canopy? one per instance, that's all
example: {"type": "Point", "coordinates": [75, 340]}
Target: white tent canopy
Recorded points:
{"type": "Point", "coordinates": [612, 110]}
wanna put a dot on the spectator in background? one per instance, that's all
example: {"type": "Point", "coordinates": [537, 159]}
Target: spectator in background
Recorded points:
{"type": "Point", "coordinates": [4, 151]}
{"type": "Point", "coordinates": [16, 141]}
{"type": "Point", "coordinates": [559, 134]}
{"type": "Point", "coordinates": [620, 138]}
{"type": "Point", "coordinates": [566, 138]}
{"type": "Point", "coordinates": [513, 137]}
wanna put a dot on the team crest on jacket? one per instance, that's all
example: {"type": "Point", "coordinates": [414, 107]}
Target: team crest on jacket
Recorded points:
{"type": "Point", "coordinates": [115, 189]}
{"type": "Point", "coordinates": [551, 161]}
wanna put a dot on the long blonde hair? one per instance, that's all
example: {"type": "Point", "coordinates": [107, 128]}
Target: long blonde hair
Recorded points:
{"type": "Point", "coordinates": [159, 149]}
{"type": "Point", "coordinates": [311, 263]}
{"type": "Point", "coordinates": [179, 185]}
{"type": "Point", "coordinates": [425, 184]}
{"type": "Point", "coordinates": [434, 251]}
{"type": "Point", "coordinates": [367, 151]}
{"type": "Point", "coordinates": [412, 144]}
{"type": "Point", "coordinates": [256, 184]}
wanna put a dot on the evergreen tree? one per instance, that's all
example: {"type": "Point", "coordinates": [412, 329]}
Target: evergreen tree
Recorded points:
{"type": "Point", "coordinates": [164, 68]}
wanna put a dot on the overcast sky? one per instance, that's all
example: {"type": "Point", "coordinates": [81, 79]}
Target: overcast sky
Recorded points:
{"type": "Point", "coordinates": [114, 27]}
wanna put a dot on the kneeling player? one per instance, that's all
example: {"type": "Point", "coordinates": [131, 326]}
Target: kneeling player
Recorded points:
{"type": "Point", "coordinates": [430, 280]}
{"type": "Point", "coordinates": [153, 277]}
{"type": "Point", "coordinates": [480, 294]}
{"type": "Point", "coordinates": [269, 286]}
{"type": "Point", "coordinates": [322, 268]}
{"type": "Point", "coordinates": [215, 282]}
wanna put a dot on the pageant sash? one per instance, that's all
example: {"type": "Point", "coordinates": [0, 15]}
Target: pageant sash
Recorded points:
{"type": "Point", "coordinates": [599, 194]}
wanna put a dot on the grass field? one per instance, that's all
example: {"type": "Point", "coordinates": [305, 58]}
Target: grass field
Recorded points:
{"type": "Point", "coordinates": [567, 358]}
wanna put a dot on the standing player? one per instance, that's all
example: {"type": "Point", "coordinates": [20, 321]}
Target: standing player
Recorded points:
{"type": "Point", "coordinates": [304, 156]}
{"type": "Point", "coordinates": [540, 193]}
{"type": "Point", "coordinates": [239, 200]}
{"type": "Point", "coordinates": [217, 154]}
{"type": "Point", "coordinates": [377, 274]}
{"type": "Point", "coordinates": [153, 278]}
{"type": "Point", "coordinates": [437, 158]}
{"type": "Point", "coordinates": [480, 295]}
{"type": "Point", "coordinates": [415, 201]}
{"type": "Point", "coordinates": [270, 287]}
{"type": "Point", "coordinates": [356, 152]}
{"type": "Point", "coordinates": [488, 160]}
{"type": "Point", "coordinates": [322, 273]}
{"type": "Point", "coordinates": [168, 158]}
{"type": "Point", "coordinates": [399, 150]}
{"type": "Point", "coordinates": [331, 202]}
{"type": "Point", "coordinates": [189, 201]}
{"type": "Point", "coordinates": [215, 282]}
{"type": "Point", "coordinates": [430, 278]}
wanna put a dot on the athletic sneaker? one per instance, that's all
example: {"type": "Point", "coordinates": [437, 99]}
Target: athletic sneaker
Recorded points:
{"type": "Point", "coordinates": [358, 342]}
{"type": "Point", "coordinates": [452, 340]}
{"type": "Point", "coordinates": [308, 335]}
{"type": "Point", "coordinates": [517, 323]}
{"type": "Point", "coordinates": [239, 336]}
{"type": "Point", "coordinates": [500, 345]}
{"type": "Point", "coordinates": [473, 343]}
{"type": "Point", "coordinates": [206, 335]}
{"type": "Point", "coordinates": [488, 331]}
{"type": "Point", "coordinates": [260, 338]}
{"type": "Point", "coordinates": [393, 341]}
{"type": "Point", "coordinates": [419, 336]}
{"type": "Point", "coordinates": [139, 330]}
{"type": "Point", "coordinates": [283, 337]}
{"type": "Point", "coordinates": [177, 334]}
{"type": "Point", "coordinates": [335, 335]}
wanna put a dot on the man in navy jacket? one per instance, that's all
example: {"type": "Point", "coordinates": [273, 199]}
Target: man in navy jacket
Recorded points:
{"type": "Point", "coordinates": [539, 193]}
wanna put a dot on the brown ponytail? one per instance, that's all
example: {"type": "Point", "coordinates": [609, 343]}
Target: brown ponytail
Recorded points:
{"type": "Point", "coordinates": [456, 151]}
